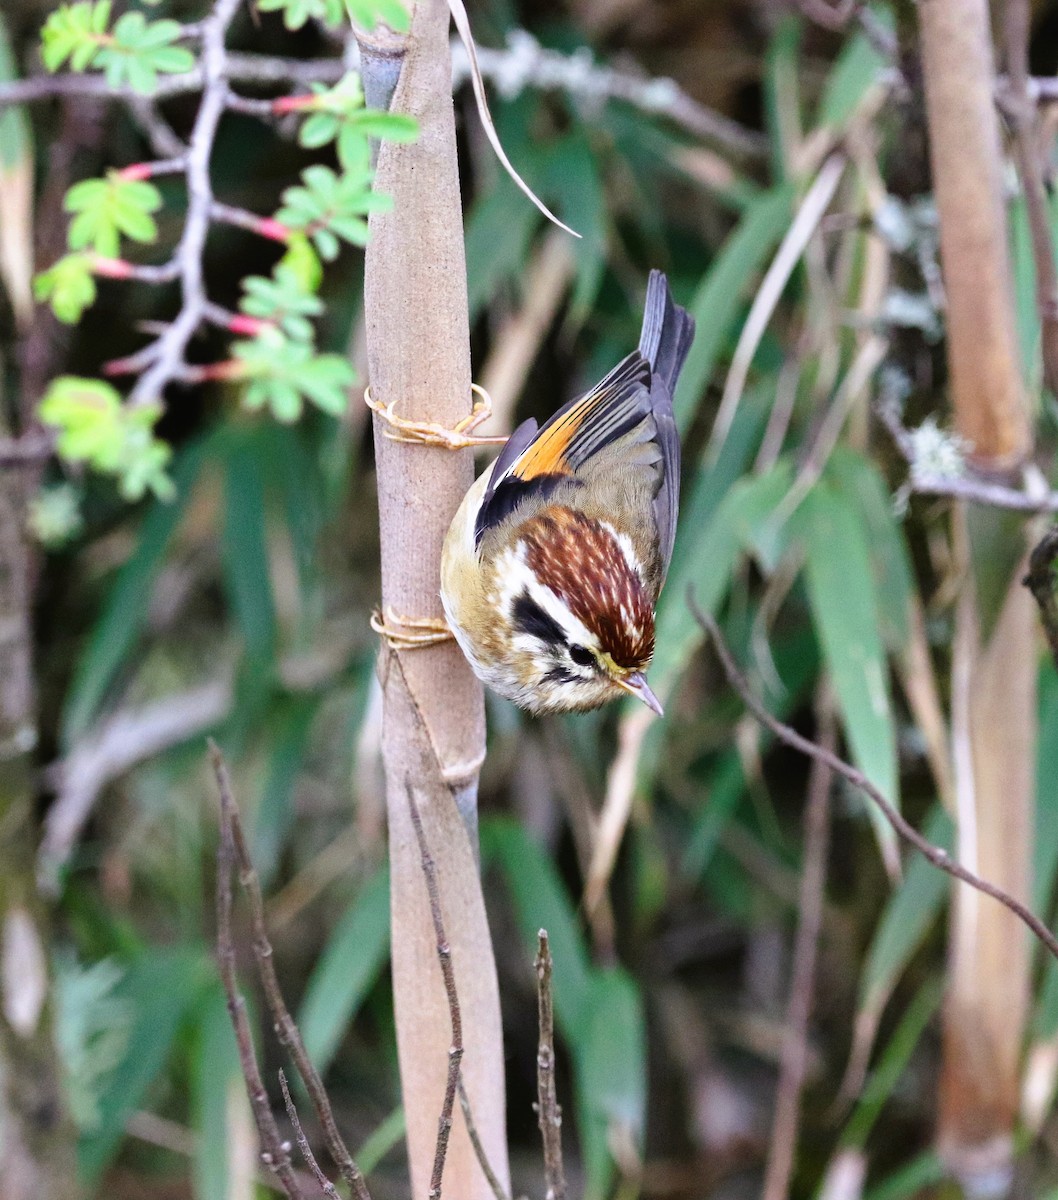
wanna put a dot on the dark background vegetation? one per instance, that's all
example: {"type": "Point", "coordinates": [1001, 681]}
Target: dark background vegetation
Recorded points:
{"type": "Point", "coordinates": [241, 609]}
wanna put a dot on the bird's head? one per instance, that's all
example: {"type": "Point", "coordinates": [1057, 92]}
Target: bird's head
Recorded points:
{"type": "Point", "coordinates": [579, 618]}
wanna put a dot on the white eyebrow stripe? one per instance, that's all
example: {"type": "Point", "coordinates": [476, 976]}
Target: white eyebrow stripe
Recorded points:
{"type": "Point", "coordinates": [624, 543]}
{"type": "Point", "coordinates": [516, 576]}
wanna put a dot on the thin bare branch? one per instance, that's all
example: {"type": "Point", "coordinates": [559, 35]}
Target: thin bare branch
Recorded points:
{"type": "Point", "coordinates": [29, 450]}
{"type": "Point", "coordinates": [287, 1031]}
{"type": "Point", "coordinates": [548, 1112]}
{"type": "Point", "coordinates": [902, 827]}
{"type": "Point", "coordinates": [444, 955]}
{"type": "Point", "coordinates": [525, 63]}
{"type": "Point", "coordinates": [275, 1154]}
{"type": "Point", "coordinates": [326, 1186]}
{"type": "Point", "coordinates": [970, 487]}
{"type": "Point", "coordinates": [172, 345]}
{"type": "Point", "coordinates": [254, 69]}
{"type": "Point", "coordinates": [498, 1190]}
{"type": "Point", "coordinates": [1040, 581]}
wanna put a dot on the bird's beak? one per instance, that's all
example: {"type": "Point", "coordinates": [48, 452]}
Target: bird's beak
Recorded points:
{"type": "Point", "coordinates": [636, 685]}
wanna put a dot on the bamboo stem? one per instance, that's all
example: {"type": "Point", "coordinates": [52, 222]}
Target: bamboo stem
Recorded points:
{"type": "Point", "coordinates": [433, 711]}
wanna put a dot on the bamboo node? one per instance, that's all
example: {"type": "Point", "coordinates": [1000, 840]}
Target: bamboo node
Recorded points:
{"type": "Point", "coordinates": [427, 433]}
{"type": "Point", "coordinates": [401, 632]}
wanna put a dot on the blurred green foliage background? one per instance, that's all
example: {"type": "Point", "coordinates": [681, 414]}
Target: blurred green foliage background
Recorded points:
{"type": "Point", "coordinates": [239, 607]}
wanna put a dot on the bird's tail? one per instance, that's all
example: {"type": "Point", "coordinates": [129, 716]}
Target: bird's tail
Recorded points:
{"type": "Point", "coordinates": [667, 333]}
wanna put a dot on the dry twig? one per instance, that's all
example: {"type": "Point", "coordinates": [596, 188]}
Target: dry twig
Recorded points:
{"type": "Point", "coordinates": [444, 955]}
{"type": "Point", "coordinates": [498, 1190]}
{"type": "Point", "coordinates": [303, 1142]}
{"type": "Point", "coordinates": [276, 1153]}
{"type": "Point", "coordinates": [234, 849]}
{"type": "Point", "coordinates": [548, 1112]}
{"type": "Point", "coordinates": [974, 488]}
{"type": "Point", "coordinates": [901, 826]}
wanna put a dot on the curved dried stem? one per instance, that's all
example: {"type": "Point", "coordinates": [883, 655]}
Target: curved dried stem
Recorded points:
{"type": "Point", "coordinates": [939, 857]}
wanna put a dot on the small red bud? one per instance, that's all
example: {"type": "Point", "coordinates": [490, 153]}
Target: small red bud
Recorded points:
{"type": "Point", "coordinates": [289, 104]}
{"type": "Point", "coordinates": [246, 326]}
{"type": "Point", "coordinates": [269, 227]}
{"type": "Point", "coordinates": [142, 170]}
{"type": "Point", "coordinates": [111, 268]}
{"type": "Point", "coordinates": [117, 366]}
{"type": "Point", "coordinates": [230, 368]}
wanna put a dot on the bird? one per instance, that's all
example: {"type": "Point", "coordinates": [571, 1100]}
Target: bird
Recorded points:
{"type": "Point", "coordinates": [554, 561]}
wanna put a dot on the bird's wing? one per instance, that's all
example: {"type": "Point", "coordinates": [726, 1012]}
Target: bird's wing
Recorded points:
{"type": "Point", "coordinates": [534, 462]}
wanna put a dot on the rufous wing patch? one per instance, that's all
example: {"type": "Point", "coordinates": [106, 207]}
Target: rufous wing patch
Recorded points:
{"type": "Point", "coordinates": [584, 426]}
{"type": "Point", "coordinates": [547, 454]}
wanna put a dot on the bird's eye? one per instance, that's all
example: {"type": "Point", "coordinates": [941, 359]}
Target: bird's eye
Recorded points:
{"type": "Point", "coordinates": [582, 656]}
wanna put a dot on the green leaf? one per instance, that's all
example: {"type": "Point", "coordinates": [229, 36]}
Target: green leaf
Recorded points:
{"type": "Point", "coordinates": [217, 1086]}
{"type": "Point", "coordinates": [282, 373]}
{"type": "Point", "coordinates": [720, 297]}
{"type": "Point", "coordinates": [75, 32]}
{"type": "Point", "coordinates": [111, 207]}
{"type": "Point", "coordinates": [846, 617]}
{"type": "Point", "coordinates": [911, 1182]}
{"type": "Point", "coordinates": [297, 12]}
{"type": "Point", "coordinates": [338, 114]}
{"type": "Point", "coordinates": [609, 1048]}
{"type": "Point", "coordinates": [382, 1140]}
{"type": "Point", "coordinates": [95, 427]}
{"type": "Point", "coordinates": [346, 970]}
{"type": "Point", "coordinates": [369, 12]}
{"type": "Point", "coordinates": [906, 918]}
{"type": "Point", "coordinates": [858, 68]}
{"type": "Point", "coordinates": [497, 234]}
{"type": "Point", "coordinates": [92, 1026]}
{"type": "Point", "coordinates": [68, 286]}
{"type": "Point", "coordinates": [160, 989]}
{"type": "Point", "coordinates": [1045, 848]}
{"type": "Point", "coordinates": [892, 1064]}
{"type": "Point", "coordinates": [861, 484]}
{"type": "Point", "coordinates": [707, 565]}
{"type": "Point", "coordinates": [138, 51]}
{"type": "Point", "coordinates": [573, 181]}
{"type": "Point", "coordinates": [245, 551]}
{"type": "Point", "coordinates": [541, 902]}
{"type": "Point", "coordinates": [54, 517]}
{"type": "Point", "coordinates": [288, 740]}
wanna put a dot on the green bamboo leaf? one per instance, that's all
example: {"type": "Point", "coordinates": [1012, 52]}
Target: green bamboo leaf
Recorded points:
{"type": "Point", "coordinates": [846, 617]}
{"type": "Point", "coordinates": [499, 228]}
{"type": "Point", "coordinates": [892, 1063]}
{"type": "Point", "coordinates": [161, 988]}
{"type": "Point", "coordinates": [346, 970]}
{"type": "Point", "coordinates": [541, 902]}
{"type": "Point", "coordinates": [911, 1182]}
{"type": "Point", "coordinates": [857, 69]}
{"type": "Point", "coordinates": [245, 551]}
{"type": "Point", "coordinates": [732, 528]}
{"type": "Point", "coordinates": [216, 1086]}
{"type": "Point", "coordinates": [721, 295]}
{"type": "Point", "coordinates": [1045, 847]}
{"type": "Point", "coordinates": [906, 918]}
{"type": "Point", "coordinates": [611, 1074]}
{"type": "Point", "coordinates": [861, 484]}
